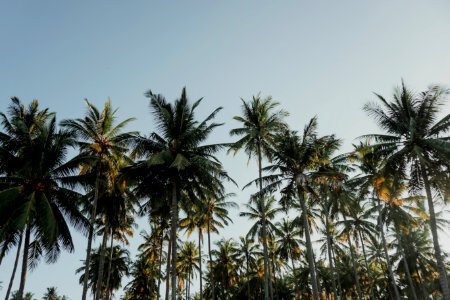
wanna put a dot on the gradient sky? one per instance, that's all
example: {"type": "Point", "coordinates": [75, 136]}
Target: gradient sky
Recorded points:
{"type": "Point", "coordinates": [321, 58]}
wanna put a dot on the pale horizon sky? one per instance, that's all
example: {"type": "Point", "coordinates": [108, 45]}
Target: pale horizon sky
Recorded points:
{"type": "Point", "coordinates": [323, 58]}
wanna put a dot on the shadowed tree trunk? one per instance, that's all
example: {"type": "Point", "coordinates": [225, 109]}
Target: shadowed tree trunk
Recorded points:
{"type": "Point", "coordinates": [23, 276]}
{"type": "Point", "coordinates": [101, 266]}
{"type": "Point", "coordinates": [437, 249]}
{"type": "Point", "coordinates": [108, 290]}
{"type": "Point", "coordinates": [90, 237]}
{"type": "Point", "coordinates": [160, 264]}
{"type": "Point", "coordinates": [16, 262]}
{"type": "Point", "coordinates": [309, 251]}
{"type": "Point", "coordinates": [174, 239]}
{"type": "Point", "coordinates": [169, 251]}
{"type": "Point", "coordinates": [200, 261]}
{"type": "Point", "coordinates": [213, 287]}
{"type": "Point", "coordinates": [405, 263]}
{"type": "Point", "coordinates": [330, 259]}
{"type": "Point", "coordinates": [354, 266]}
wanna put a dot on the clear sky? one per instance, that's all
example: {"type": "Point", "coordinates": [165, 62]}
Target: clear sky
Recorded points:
{"type": "Point", "coordinates": [321, 58]}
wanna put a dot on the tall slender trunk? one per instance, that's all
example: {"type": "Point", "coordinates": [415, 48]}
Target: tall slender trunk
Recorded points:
{"type": "Point", "coordinates": [273, 275]}
{"type": "Point", "coordinates": [355, 268]}
{"type": "Point", "coordinates": [437, 249]}
{"type": "Point", "coordinates": [90, 237]}
{"type": "Point", "coordinates": [264, 229]}
{"type": "Point", "coordinates": [169, 251]}
{"type": "Point", "coordinates": [405, 263]}
{"type": "Point", "coordinates": [211, 273]}
{"type": "Point", "coordinates": [338, 276]}
{"type": "Point", "coordinates": [391, 272]}
{"type": "Point", "coordinates": [16, 262]}
{"type": "Point", "coordinates": [369, 273]}
{"type": "Point", "coordinates": [200, 261]}
{"type": "Point", "coordinates": [160, 264]}
{"type": "Point", "coordinates": [248, 277]}
{"type": "Point", "coordinates": [174, 239]}
{"type": "Point", "coordinates": [309, 251]}
{"type": "Point", "coordinates": [386, 254]}
{"type": "Point", "coordinates": [330, 260]}
{"type": "Point", "coordinates": [23, 276]}
{"type": "Point", "coordinates": [108, 278]}
{"type": "Point", "coordinates": [101, 266]}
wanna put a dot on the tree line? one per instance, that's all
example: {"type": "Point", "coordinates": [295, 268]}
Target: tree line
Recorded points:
{"type": "Point", "coordinates": [326, 225]}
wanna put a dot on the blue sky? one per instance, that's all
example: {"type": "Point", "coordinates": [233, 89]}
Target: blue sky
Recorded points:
{"type": "Point", "coordinates": [321, 58]}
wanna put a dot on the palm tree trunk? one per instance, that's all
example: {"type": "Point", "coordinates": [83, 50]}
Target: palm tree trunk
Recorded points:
{"type": "Point", "coordinates": [355, 269]}
{"type": "Point", "coordinates": [16, 262]}
{"type": "Point", "coordinates": [160, 264]}
{"type": "Point", "coordinates": [90, 237]}
{"type": "Point", "coordinates": [386, 254]}
{"type": "Point", "coordinates": [213, 286]}
{"type": "Point", "coordinates": [200, 261]}
{"type": "Point", "coordinates": [169, 251]}
{"type": "Point", "coordinates": [108, 278]}
{"type": "Point", "coordinates": [330, 260]}
{"type": "Point", "coordinates": [264, 229]}
{"type": "Point", "coordinates": [405, 263]}
{"type": "Point", "coordinates": [338, 276]}
{"type": "Point", "coordinates": [23, 276]}
{"type": "Point", "coordinates": [437, 248]}
{"type": "Point", "coordinates": [248, 278]}
{"type": "Point", "coordinates": [174, 239]}
{"type": "Point", "coordinates": [309, 251]}
{"type": "Point", "coordinates": [369, 273]}
{"type": "Point", "coordinates": [101, 266]}
{"type": "Point", "coordinates": [391, 273]}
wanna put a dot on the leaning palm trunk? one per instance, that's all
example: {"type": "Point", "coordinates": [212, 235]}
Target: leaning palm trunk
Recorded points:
{"type": "Point", "coordinates": [174, 211]}
{"type": "Point", "coordinates": [437, 249]}
{"type": "Point", "coordinates": [386, 254]}
{"type": "Point", "coordinates": [330, 260]}
{"type": "Point", "coordinates": [108, 278]}
{"type": "Point", "coordinates": [101, 266]}
{"type": "Point", "coordinates": [213, 287]}
{"type": "Point", "coordinates": [90, 237]}
{"type": "Point", "coordinates": [16, 262]}
{"type": "Point", "coordinates": [369, 273]}
{"type": "Point", "coordinates": [405, 263]}
{"type": "Point", "coordinates": [309, 251]}
{"type": "Point", "coordinates": [354, 266]}
{"type": "Point", "coordinates": [23, 276]}
{"type": "Point", "coordinates": [338, 276]}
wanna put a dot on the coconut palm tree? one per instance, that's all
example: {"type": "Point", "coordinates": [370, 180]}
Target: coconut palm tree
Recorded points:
{"type": "Point", "coordinates": [417, 141]}
{"type": "Point", "coordinates": [35, 200]}
{"type": "Point", "coordinates": [120, 263]}
{"type": "Point", "coordinates": [262, 211]}
{"type": "Point", "coordinates": [188, 264]}
{"type": "Point", "coordinates": [177, 160]}
{"type": "Point", "coordinates": [260, 123]}
{"type": "Point", "coordinates": [101, 140]}
{"type": "Point", "coordinates": [247, 253]}
{"type": "Point", "coordinates": [298, 164]}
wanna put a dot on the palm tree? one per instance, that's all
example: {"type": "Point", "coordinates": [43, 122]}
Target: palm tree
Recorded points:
{"type": "Point", "coordinates": [260, 123]}
{"type": "Point", "coordinates": [247, 252]}
{"type": "Point", "coordinates": [102, 141]}
{"type": "Point", "coordinates": [176, 159]}
{"type": "Point", "coordinates": [287, 234]}
{"type": "Point", "coordinates": [188, 264]}
{"type": "Point", "coordinates": [225, 266]}
{"type": "Point", "coordinates": [418, 141]}
{"type": "Point", "coordinates": [36, 201]}
{"type": "Point", "coordinates": [300, 162]}
{"type": "Point", "coordinates": [263, 211]}
{"type": "Point", "coordinates": [120, 263]}
{"type": "Point", "coordinates": [21, 124]}
{"type": "Point", "coordinates": [51, 294]}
